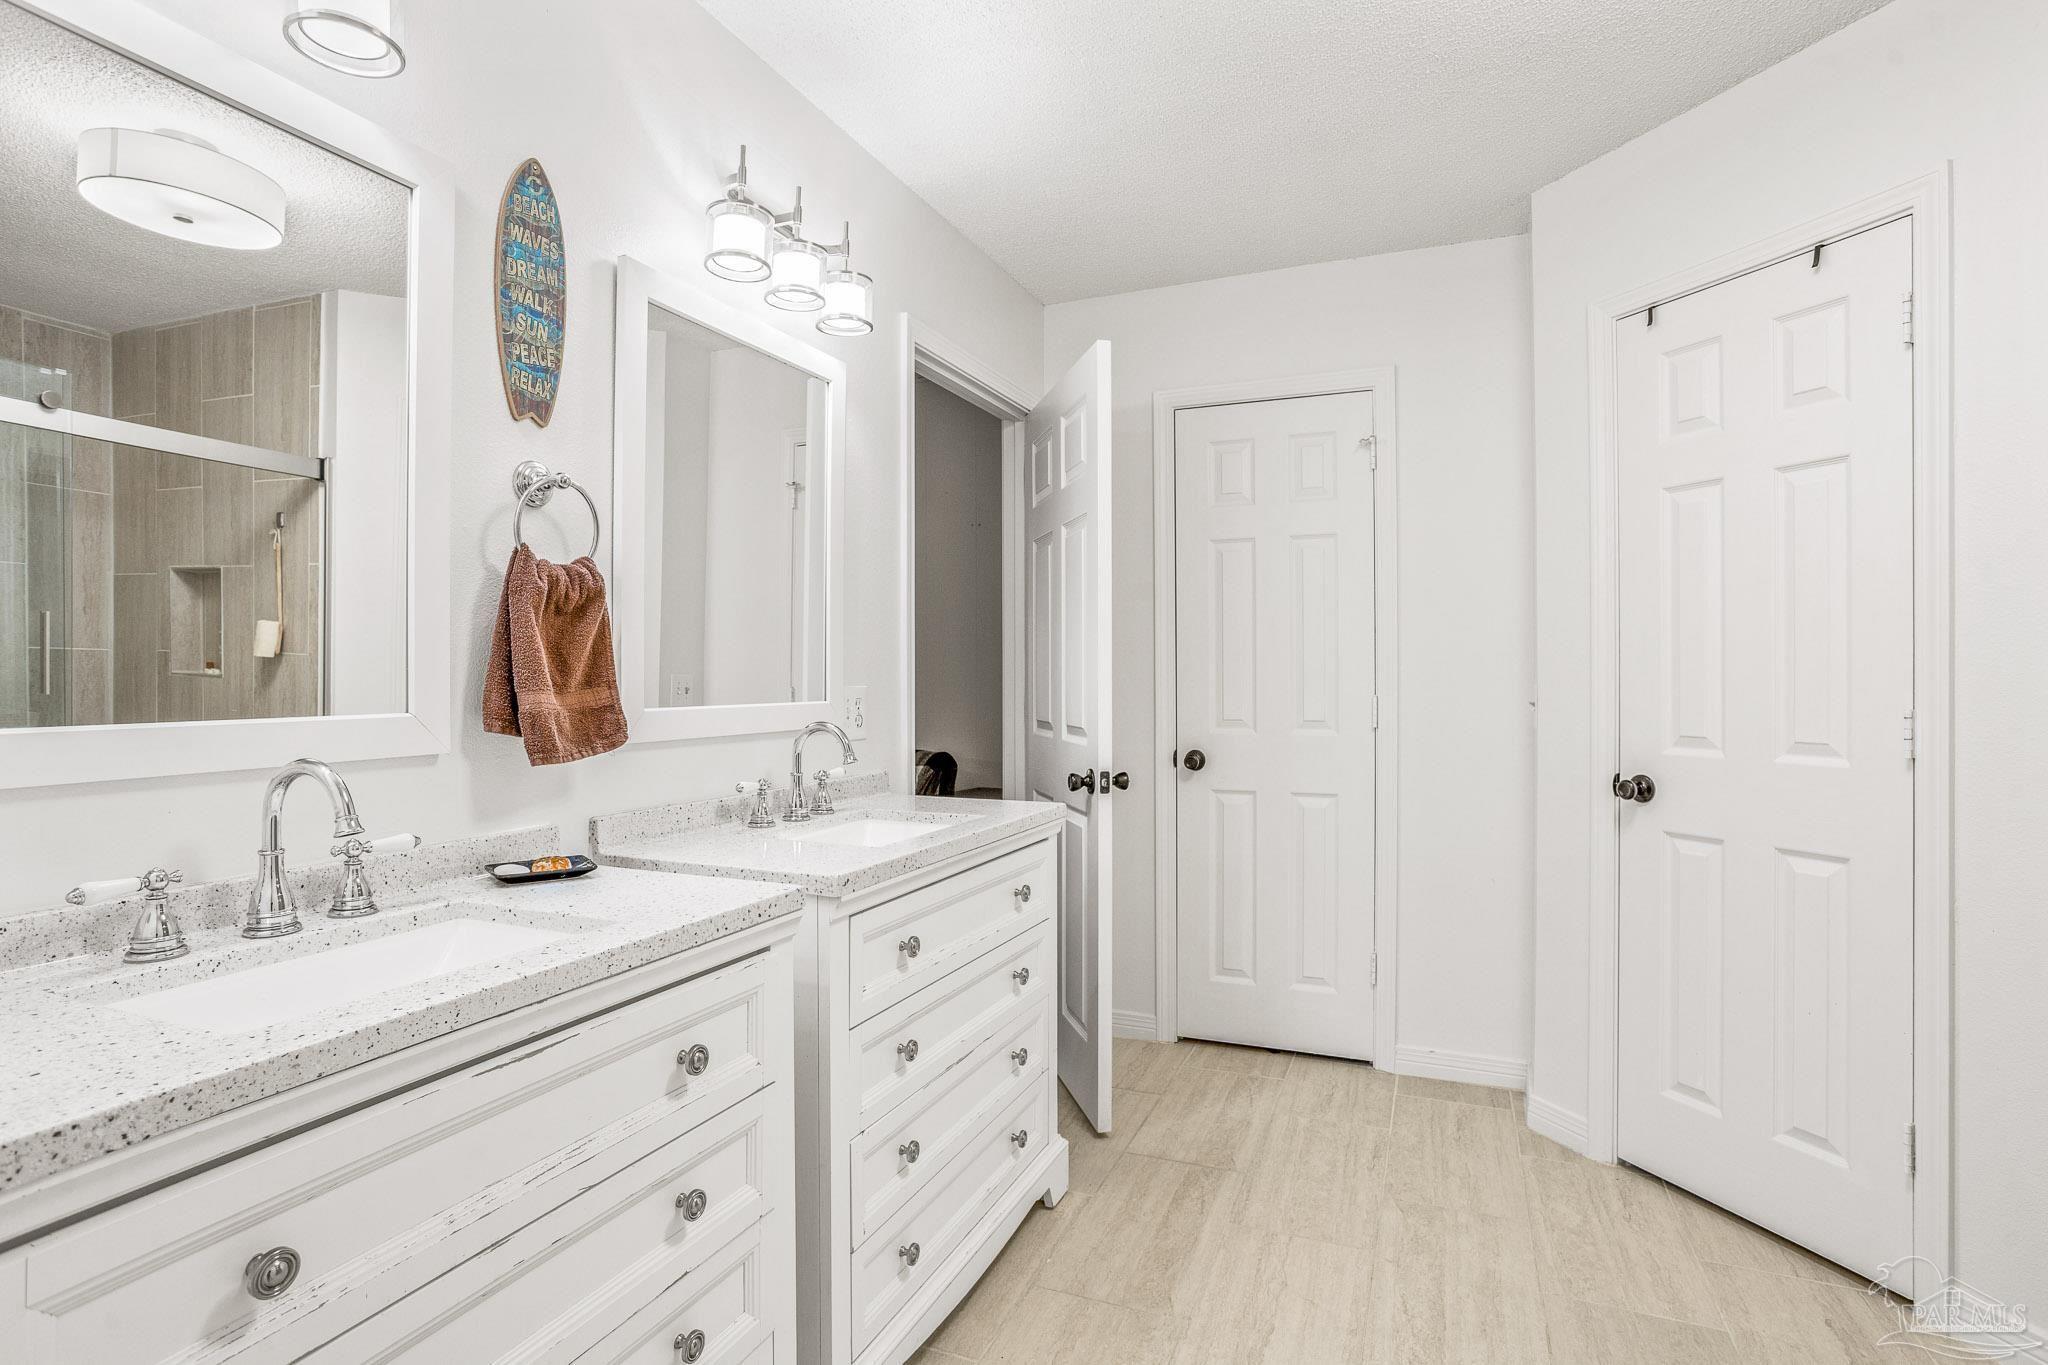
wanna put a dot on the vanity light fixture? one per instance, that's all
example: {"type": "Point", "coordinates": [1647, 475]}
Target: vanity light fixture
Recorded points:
{"type": "Point", "coordinates": [180, 186]}
{"type": "Point", "coordinates": [355, 37]}
{"type": "Point", "coordinates": [849, 295]}
{"type": "Point", "coordinates": [749, 242]}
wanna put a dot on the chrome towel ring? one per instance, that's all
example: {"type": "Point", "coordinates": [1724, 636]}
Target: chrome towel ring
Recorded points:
{"type": "Point", "coordinates": [535, 484]}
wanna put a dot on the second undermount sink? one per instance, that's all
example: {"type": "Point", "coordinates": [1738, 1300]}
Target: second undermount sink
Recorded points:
{"type": "Point", "coordinates": [866, 832]}
{"type": "Point", "coordinates": [278, 992]}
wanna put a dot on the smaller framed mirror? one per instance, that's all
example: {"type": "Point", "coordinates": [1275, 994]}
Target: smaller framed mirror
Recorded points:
{"type": "Point", "coordinates": [728, 438]}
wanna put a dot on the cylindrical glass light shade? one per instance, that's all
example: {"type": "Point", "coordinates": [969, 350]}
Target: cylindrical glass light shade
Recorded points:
{"type": "Point", "coordinates": [359, 37]}
{"type": "Point", "coordinates": [797, 278]}
{"type": "Point", "coordinates": [849, 304]}
{"type": "Point", "coordinates": [739, 234]}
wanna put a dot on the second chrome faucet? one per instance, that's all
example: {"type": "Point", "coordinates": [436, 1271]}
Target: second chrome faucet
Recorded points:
{"type": "Point", "coordinates": [801, 808]}
{"type": "Point", "coordinates": [273, 909]}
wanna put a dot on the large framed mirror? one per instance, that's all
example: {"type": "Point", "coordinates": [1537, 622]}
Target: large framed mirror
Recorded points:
{"type": "Point", "coordinates": [224, 317]}
{"type": "Point", "coordinates": [728, 438]}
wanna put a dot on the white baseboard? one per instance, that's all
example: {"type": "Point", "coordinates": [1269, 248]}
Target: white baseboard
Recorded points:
{"type": "Point", "coordinates": [1472, 1068]}
{"type": "Point", "coordinates": [1131, 1024]}
{"type": "Point", "coordinates": [1561, 1126]}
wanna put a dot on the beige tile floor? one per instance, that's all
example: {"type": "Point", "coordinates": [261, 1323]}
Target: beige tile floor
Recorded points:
{"type": "Point", "coordinates": [1271, 1207]}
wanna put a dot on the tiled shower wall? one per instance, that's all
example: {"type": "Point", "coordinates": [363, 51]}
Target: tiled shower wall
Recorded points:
{"type": "Point", "coordinates": [252, 376]}
{"type": "Point", "coordinates": [36, 481]}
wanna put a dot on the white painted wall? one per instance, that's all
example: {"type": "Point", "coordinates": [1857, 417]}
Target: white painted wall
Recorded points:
{"type": "Point", "coordinates": [960, 584]}
{"type": "Point", "coordinates": [637, 111]}
{"type": "Point", "coordinates": [756, 414]}
{"type": "Point", "coordinates": [1453, 321]}
{"type": "Point", "coordinates": [362, 430]}
{"type": "Point", "coordinates": [1886, 100]}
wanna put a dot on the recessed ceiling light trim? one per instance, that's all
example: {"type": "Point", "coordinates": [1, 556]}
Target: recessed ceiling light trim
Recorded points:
{"type": "Point", "coordinates": [179, 186]}
{"type": "Point", "coordinates": [357, 37]}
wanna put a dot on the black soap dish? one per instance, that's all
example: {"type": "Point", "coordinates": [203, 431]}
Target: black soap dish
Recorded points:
{"type": "Point", "coordinates": [553, 868]}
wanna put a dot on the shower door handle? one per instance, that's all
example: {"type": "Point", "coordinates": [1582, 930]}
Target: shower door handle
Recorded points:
{"type": "Point", "coordinates": [46, 654]}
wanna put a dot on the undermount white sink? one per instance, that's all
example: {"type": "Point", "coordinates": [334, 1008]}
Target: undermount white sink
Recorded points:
{"type": "Point", "coordinates": [277, 992]}
{"type": "Point", "coordinates": [867, 832]}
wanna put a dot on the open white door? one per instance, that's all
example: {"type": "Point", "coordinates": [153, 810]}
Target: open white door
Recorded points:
{"type": "Point", "coordinates": [1067, 754]}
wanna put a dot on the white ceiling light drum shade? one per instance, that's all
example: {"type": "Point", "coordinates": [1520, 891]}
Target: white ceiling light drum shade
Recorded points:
{"type": "Point", "coordinates": [739, 233]}
{"type": "Point", "coordinates": [181, 187]}
{"type": "Point", "coordinates": [358, 37]}
{"type": "Point", "coordinates": [797, 278]}
{"type": "Point", "coordinates": [849, 304]}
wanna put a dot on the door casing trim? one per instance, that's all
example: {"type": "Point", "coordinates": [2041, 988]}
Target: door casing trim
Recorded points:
{"type": "Point", "coordinates": [1925, 201]}
{"type": "Point", "coordinates": [1379, 380]}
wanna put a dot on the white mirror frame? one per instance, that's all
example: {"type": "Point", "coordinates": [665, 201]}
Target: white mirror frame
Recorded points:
{"type": "Point", "coordinates": [106, 753]}
{"type": "Point", "coordinates": [635, 609]}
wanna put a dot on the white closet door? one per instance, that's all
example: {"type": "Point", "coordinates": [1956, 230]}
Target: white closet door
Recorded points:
{"type": "Point", "coordinates": [1766, 676]}
{"type": "Point", "coordinates": [1274, 556]}
{"type": "Point", "coordinates": [1066, 523]}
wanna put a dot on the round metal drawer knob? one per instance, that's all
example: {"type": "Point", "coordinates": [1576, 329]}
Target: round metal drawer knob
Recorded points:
{"type": "Point", "coordinates": [911, 947]}
{"type": "Point", "coordinates": [1021, 1056]}
{"type": "Point", "coordinates": [910, 1253]}
{"type": "Point", "coordinates": [693, 1204]}
{"type": "Point", "coordinates": [695, 1059]}
{"type": "Point", "coordinates": [1022, 893]}
{"type": "Point", "coordinates": [270, 1273]}
{"type": "Point", "coordinates": [1022, 976]}
{"type": "Point", "coordinates": [910, 1152]}
{"type": "Point", "coordinates": [690, 1345]}
{"type": "Point", "coordinates": [1022, 1137]}
{"type": "Point", "coordinates": [907, 1050]}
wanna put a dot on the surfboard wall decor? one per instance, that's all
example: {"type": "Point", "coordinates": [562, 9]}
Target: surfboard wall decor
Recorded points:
{"type": "Point", "coordinates": [533, 294]}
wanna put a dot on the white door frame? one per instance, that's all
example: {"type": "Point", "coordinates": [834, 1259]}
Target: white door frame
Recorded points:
{"type": "Point", "coordinates": [925, 354]}
{"type": "Point", "coordinates": [1926, 202]}
{"type": "Point", "coordinates": [1386, 680]}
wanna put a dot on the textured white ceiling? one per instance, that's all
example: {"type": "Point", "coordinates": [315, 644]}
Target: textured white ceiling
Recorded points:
{"type": "Point", "coordinates": [345, 227]}
{"type": "Point", "coordinates": [1097, 146]}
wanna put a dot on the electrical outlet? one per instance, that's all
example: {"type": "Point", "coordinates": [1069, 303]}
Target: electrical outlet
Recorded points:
{"type": "Point", "coordinates": [853, 712]}
{"type": "Point", "coordinates": [682, 689]}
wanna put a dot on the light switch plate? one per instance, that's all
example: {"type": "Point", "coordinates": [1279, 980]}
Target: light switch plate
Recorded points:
{"type": "Point", "coordinates": [682, 689]}
{"type": "Point", "coordinates": [853, 712]}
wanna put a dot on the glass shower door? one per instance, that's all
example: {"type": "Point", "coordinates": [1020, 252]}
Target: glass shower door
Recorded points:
{"type": "Point", "coordinates": [36, 482]}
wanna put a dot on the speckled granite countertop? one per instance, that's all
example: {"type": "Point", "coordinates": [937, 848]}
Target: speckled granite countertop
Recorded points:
{"type": "Point", "coordinates": [706, 838]}
{"type": "Point", "coordinates": [81, 1077]}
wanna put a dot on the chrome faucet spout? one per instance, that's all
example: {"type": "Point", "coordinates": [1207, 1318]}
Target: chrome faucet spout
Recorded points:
{"type": "Point", "coordinates": [799, 804]}
{"type": "Point", "coordinates": [273, 910]}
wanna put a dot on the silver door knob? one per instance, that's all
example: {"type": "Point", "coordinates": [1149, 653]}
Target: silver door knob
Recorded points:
{"type": "Point", "coordinates": [270, 1273]}
{"type": "Point", "coordinates": [1194, 760]}
{"type": "Point", "coordinates": [693, 1203]}
{"type": "Point", "coordinates": [910, 1253]}
{"type": "Point", "coordinates": [907, 1050]}
{"type": "Point", "coordinates": [1022, 1137]}
{"type": "Point", "coordinates": [690, 1346]}
{"type": "Point", "coordinates": [1081, 781]}
{"type": "Point", "coordinates": [1022, 976]}
{"type": "Point", "coordinates": [695, 1059]}
{"type": "Point", "coordinates": [1023, 893]}
{"type": "Point", "coordinates": [1021, 1056]}
{"type": "Point", "coordinates": [910, 1152]}
{"type": "Point", "coordinates": [911, 947]}
{"type": "Point", "coordinates": [1638, 788]}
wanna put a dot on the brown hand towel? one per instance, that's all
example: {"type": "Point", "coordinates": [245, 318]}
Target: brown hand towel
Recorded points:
{"type": "Point", "coordinates": [550, 679]}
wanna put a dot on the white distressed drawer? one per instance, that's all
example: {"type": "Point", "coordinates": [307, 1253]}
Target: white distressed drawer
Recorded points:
{"type": "Point", "coordinates": [729, 1299]}
{"type": "Point", "coordinates": [944, 1117]}
{"type": "Point", "coordinates": [900, 945]}
{"type": "Point", "coordinates": [141, 1282]}
{"type": "Point", "coordinates": [938, 1219]}
{"type": "Point", "coordinates": [900, 1050]}
{"type": "Point", "coordinates": [564, 1283]}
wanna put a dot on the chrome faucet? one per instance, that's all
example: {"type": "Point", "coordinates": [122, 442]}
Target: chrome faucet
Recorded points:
{"type": "Point", "coordinates": [799, 805]}
{"type": "Point", "coordinates": [273, 910]}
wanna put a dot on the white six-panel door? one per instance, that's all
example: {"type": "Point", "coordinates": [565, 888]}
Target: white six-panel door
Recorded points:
{"type": "Point", "coordinates": [1766, 1055]}
{"type": "Point", "coordinates": [1067, 696]}
{"type": "Point", "coordinates": [1274, 580]}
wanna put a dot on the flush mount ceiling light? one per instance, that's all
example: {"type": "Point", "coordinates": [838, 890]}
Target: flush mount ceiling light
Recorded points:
{"type": "Point", "coordinates": [180, 186]}
{"type": "Point", "coordinates": [748, 242]}
{"type": "Point", "coordinates": [357, 37]}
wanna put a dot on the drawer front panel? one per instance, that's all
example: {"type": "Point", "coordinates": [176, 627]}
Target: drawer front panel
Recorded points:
{"type": "Point", "coordinates": [727, 1299]}
{"type": "Point", "coordinates": [882, 1278]}
{"type": "Point", "coordinates": [406, 1169]}
{"type": "Point", "coordinates": [901, 945]}
{"type": "Point", "coordinates": [563, 1283]}
{"type": "Point", "coordinates": [898, 1052]}
{"type": "Point", "coordinates": [945, 1116]}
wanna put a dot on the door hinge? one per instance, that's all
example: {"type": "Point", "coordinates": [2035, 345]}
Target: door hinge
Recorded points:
{"type": "Point", "coordinates": [1373, 978]}
{"type": "Point", "coordinates": [1372, 451]}
{"type": "Point", "coordinates": [1911, 737]}
{"type": "Point", "coordinates": [1912, 1151]}
{"type": "Point", "coordinates": [1906, 315]}
{"type": "Point", "coordinates": [1375, 710]}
